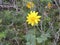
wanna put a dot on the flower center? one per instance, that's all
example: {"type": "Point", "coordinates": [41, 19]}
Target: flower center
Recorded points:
{"type": "Point", "coordinates": [33, 19]}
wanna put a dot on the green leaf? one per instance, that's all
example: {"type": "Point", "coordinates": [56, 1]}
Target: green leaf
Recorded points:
{"type": "Point", "coordinates": [31, 38]}
{"type": "Point", "coordinates": [2, 35]}
{"type": "Point", "coordinates": [0, 20]}
{"type": "Point", "coordinates": [39, 40]}
{"type": "Point", "coordinates": [28, 43]}
{"type": "Point", "coordinates": [43, 38]}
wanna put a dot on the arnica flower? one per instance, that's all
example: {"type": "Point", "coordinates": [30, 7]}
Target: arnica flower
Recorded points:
{"type": "Point", "coordinates": [33, 18]}
{"type": "Point", "coordinates": [30, 5]}
{"type": "Point", "coordinates": [49, 5]}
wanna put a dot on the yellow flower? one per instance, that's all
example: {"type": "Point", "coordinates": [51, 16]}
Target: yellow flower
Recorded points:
{"type": "Point", "coordinates": [33, 18]}
{"type": "Point", "coordinates": [30, 5]}
{"type": "Point", "coordinates": [49, 5]}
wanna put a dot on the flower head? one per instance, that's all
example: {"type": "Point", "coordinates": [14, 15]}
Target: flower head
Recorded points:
{"type": "Point", "coordinates": [30, 5]}
{"type": "Point", "coordinates": [33, 18]}
{"type": "Point", "coordinates": [49, 5]}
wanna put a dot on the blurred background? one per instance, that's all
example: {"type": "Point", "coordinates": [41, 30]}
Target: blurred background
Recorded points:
{"type": "Point", "coordinates": [14, 29]}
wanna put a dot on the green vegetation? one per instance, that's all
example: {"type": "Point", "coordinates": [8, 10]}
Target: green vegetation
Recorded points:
{"type": "Point", "coordinates": [14, 30]}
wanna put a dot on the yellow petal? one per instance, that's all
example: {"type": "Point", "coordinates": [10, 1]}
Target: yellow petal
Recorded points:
{"type": "Point", "coordinates": [38, 16]}
{"type": "Point", "coordinates": [36, 13]}
{"type": "Point", "coordinates": [32, 24]}
{"type": "Point", "coordinates": [36, 21]}
{"type": "Point", "coordinates": [31, 12]}
{"type": "Point", "coordinates": [28, 22]}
